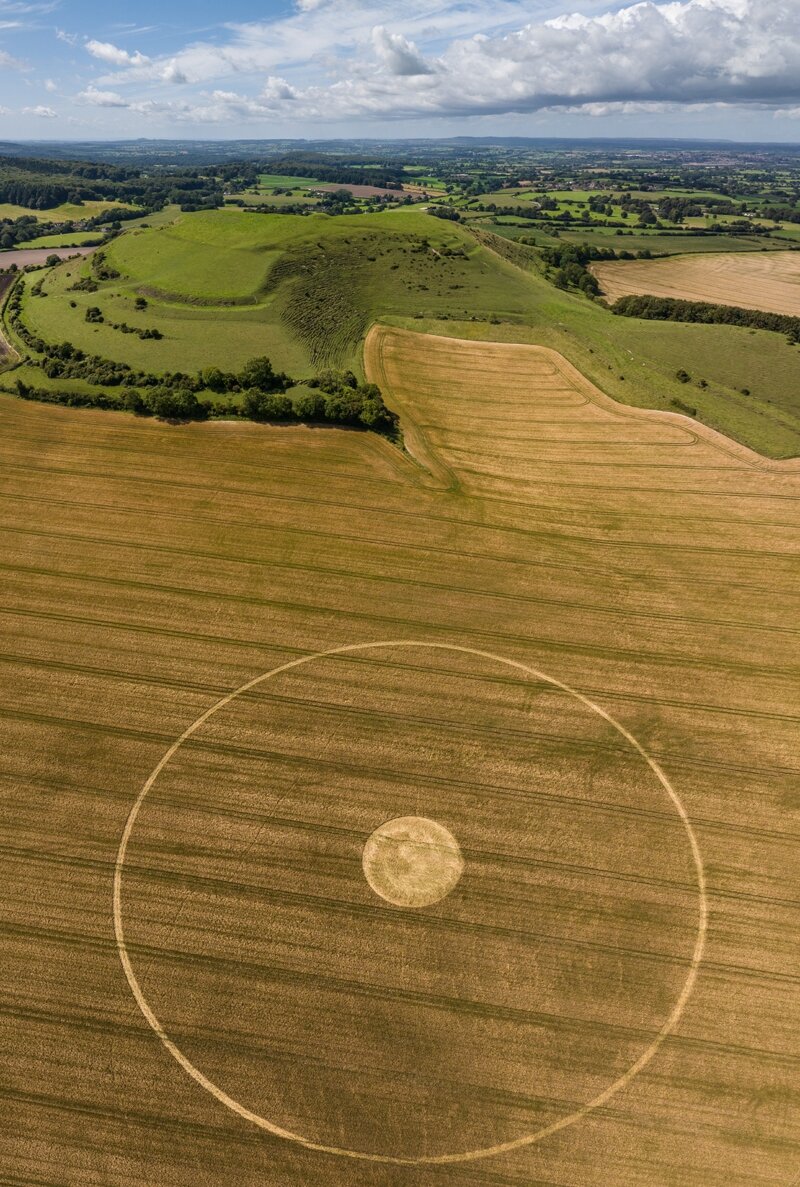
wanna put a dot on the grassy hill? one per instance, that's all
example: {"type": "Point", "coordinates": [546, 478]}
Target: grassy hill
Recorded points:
{"type": "Point", "coordinates": [226, 285]}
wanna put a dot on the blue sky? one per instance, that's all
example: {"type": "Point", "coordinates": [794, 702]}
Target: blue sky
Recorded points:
{"type": "Point", "coordinates": [704, 68]}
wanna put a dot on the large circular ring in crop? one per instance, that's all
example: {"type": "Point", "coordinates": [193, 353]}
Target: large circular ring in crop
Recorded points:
{"type": "Point", "coordinates": [599, 1098]}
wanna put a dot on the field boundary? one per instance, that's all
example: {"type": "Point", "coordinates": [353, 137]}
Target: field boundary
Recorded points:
{"type": "Point", "coordinates": [9, 354]}
{"type": "Point", "coordinates": [169, 298]}
{"type": "Point", "coordinates": [696, 429]}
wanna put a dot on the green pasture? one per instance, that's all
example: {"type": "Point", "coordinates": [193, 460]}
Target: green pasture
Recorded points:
{"type": "Point", "coordinates": [275, 181]}
{"type": "Point", "coordinates": [671, 243]}
{"type": "Point", "coordinates": [427, 182]}
{"type": "Point", "coordinates": [674, 192]}
{"type": "Point", "coordinates": [155, 218]}
{"type": "Point", "coordinates": [566, 196]}
{"type": "Point", "coordinates": [307, 288]}
{"type": "Point", "coordinates": [11, 211]}
{"type": "Point", "coordinates": [213, 256]}
{"type": "Point", "coordinates": [659, 242]}
{"type": "Point", "coordinates": [219, 256]}
{"type": "Point", "coordinates": [75, 239]}
{"type": "Point", "coordinates": [194, 336]}
{"type": "Point", "coordinates": [67, 212]}
{"type": "Point", "coordinates": [508, 197]}
{"type": "Point", "coordinates": [789, 231]}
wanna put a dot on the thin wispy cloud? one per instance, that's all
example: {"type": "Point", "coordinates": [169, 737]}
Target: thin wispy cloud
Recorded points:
{"type": "Point", "coordinates": [26, 9]}
{"type": "Point", "coordinates": [8, 62]}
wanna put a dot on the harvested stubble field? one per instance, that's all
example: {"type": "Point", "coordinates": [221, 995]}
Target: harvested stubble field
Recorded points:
{"type": "Point", "coordinates": [639, 559]}
{"type": "Point", "coordinates": [358, 191]}
{"type": "Point", "coordinates": [23, 257]}
{"type": "Point", "coordinates": [757, 280]}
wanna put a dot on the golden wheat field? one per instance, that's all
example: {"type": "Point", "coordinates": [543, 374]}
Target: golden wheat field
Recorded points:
{"type": "Point", "coordinates": [754, 280]}
{"type": "Point", "coordinates": [560, 633]}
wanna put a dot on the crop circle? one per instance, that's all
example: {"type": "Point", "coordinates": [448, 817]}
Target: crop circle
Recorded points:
{"type": "Point", "coordinates": [412, 861]}
{"type": "Point", "coordinates": [452, 865]}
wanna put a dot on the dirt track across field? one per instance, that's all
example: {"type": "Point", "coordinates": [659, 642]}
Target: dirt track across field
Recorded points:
{"type": "Point", "coordinates": [563, 631]}
{"type": "Point", "coordinates": [753, 280]}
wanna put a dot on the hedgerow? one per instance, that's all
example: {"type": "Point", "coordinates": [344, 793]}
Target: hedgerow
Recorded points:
{"type": "Point", "coordinates": [360, 406]}
{"type": "Point", "coordinates": [707, 313]}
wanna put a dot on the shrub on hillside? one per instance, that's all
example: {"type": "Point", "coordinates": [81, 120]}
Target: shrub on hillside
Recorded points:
{"type": "Point", "coordinates": [346, 401]}
{"type": "Point", "coordinates": [309, 406]}
{"type": "Point", "coordinates": [133, 401]}
{"type": "Point", "coordinates": [259, 373]}
{"type": "Point", "coordinates": [175, 404]}
{"type": "Point", "coordinates": [86, 285]}
{"type": "Point", "coordinates": [261, 405]}
{"type": "Point", "coordinates": [215, 380]}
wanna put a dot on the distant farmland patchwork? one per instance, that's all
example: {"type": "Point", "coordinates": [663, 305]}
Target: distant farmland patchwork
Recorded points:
{"type": "Point", "coordinates": [608, 993]}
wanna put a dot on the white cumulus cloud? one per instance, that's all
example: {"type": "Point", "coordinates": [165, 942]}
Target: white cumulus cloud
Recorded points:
{"type": "Point", "coordinates": [371, 59]}
{"type": "Point", "coordinates": [683, 52]}
{"type": "Point", "coordinates": [399, 55]}
{"type": "Point", "coordinates": [115, 56]}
